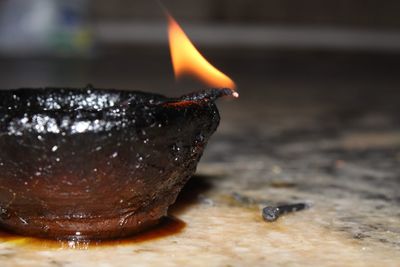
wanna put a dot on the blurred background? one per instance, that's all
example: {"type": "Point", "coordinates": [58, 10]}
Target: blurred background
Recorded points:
{"type": "Point", "coordinates": [123, 44]}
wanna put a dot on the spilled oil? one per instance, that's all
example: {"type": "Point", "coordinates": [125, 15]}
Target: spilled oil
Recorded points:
{"type": "Point", "coordinates": [167, 226]}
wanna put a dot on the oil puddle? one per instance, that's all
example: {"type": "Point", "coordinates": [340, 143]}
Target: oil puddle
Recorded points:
{"type": "Point", "coordinates": [167, 226]}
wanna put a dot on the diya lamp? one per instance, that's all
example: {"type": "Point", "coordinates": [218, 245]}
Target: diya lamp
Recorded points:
{"type": "Point", "coordinates": [96, 164]}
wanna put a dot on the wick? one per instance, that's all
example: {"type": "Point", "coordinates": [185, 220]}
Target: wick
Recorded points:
{"type": "Point", "coordinates": [271, 214]}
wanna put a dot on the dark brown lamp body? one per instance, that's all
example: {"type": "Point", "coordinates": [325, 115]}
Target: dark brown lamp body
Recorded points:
{"type": "Point", "coordinates": [96, 164]}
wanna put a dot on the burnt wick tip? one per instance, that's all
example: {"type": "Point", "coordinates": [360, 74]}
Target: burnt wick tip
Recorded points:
{"type": "Point", "coordinates": [227, 92]}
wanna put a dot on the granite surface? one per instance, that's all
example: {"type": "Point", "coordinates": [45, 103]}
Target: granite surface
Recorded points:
{"type": "Point", "coordinates": [323, 131]}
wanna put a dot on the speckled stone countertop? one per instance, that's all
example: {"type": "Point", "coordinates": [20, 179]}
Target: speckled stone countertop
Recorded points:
{"type": "Point", "coordinates": [332, 142]}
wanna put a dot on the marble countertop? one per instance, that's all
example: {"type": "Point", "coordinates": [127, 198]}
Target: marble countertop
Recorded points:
{"type": "Point", "coordinates": [332, 142]}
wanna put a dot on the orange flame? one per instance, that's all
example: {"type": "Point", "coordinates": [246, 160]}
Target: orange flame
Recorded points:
{"type": "Point", "coordinates": [187, 60]}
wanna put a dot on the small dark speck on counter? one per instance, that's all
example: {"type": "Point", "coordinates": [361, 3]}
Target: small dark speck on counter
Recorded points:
{"type": "Point", "coordinates": [243, 199]}
{"type": "Point", "coordinates": [271, 214]}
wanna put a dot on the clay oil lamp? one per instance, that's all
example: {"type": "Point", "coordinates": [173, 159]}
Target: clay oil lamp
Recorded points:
{"type": "Point", "coordinates": [97, 164]}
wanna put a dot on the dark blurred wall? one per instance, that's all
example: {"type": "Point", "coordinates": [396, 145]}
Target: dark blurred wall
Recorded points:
{"type": "Point", "coordinates": [344, 13]}
{"type": "Point", "coordinates": [80, 27]}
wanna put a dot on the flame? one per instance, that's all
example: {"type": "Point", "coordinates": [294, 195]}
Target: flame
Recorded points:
{"type": "Point", "coordinates": [187, 60]}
